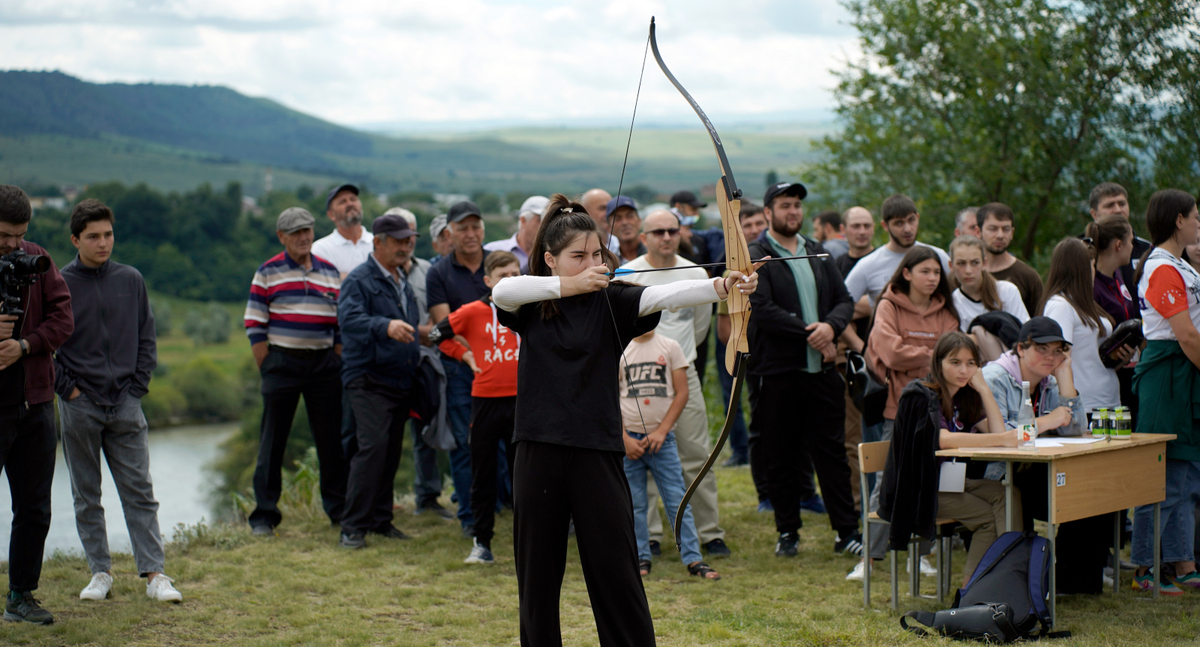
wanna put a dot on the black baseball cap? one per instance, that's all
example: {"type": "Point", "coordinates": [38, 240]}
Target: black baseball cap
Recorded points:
{"type": "Point", "coordinates": [463, 210]}
{"type": "Point", "coordinates": [785, 188]}
{"type": "Point", "coordinates": [336, 190]}
{"type": "Point", "coordinates": [393, 225]}
{"type": "Point", "coordinates": [1041, 330]}
{"type": "Point", "coordinates": [687, 197]}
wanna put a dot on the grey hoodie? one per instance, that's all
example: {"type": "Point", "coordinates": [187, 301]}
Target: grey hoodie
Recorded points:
{"type": "Point", "coordinates": [113, 351]}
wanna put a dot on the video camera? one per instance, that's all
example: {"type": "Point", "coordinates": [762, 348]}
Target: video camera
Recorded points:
{"type": "Point", "coordinates": [18, 269]}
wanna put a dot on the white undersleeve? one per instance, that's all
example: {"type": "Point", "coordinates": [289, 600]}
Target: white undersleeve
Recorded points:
{"type": "Point", "coordinates": [513, 292]}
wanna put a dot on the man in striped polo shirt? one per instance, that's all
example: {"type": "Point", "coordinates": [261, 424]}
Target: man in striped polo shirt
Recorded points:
{"type": "Point", "coordinates": [291, 319]}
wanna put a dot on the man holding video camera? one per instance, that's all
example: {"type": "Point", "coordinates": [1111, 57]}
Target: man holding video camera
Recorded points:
{"type": "Point", "coordinates": [35, 319]}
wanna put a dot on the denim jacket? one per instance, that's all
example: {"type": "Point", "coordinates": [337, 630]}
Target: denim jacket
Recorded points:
{"type": "Point", "coordinates": [1004, 378]}
{"type": "Point", "coordinates": [366, 304]}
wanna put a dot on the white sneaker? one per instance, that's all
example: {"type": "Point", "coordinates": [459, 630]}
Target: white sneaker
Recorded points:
{"type": "Point", "coordinates": [856, 575]}
{"type": "Point", "coordinates": [479, 554]}
{"type": "Point", "coordinates": [98, 588]}
{"type": "Point", "coordinates": [160, 589]}
{"type": "Point", "coordinates": [926, 567]}
{"type": "Point", "coordinates": [1107, 579]}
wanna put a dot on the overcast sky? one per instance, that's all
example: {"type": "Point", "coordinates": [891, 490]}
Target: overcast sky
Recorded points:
{"type": "Point", "coordinates": [360, 62]}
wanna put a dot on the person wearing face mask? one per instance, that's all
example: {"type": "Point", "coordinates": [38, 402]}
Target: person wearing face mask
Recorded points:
{"type": "Point", "coordinates": [569, 462]}
{"type": "Point", "coordinates": [346, 247]}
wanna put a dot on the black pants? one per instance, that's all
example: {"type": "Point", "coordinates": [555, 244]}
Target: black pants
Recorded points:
{"type": "Point", "coordinates": [380, 412]}
{"type": "Point", "coordinates": [797, 415]}
{"type": "Point", "coordinates": [1083, 545]}
{"type": "Point", "coordinates": [552, 484]}
{"type": "Point", "coordinates": [758, 458]}
{"type": "Point", "coordinates": [286, 375]}
{"type": "Point", "coordinates": [27, 445]}
{"type": "Point", "coordinates": [491, 422]}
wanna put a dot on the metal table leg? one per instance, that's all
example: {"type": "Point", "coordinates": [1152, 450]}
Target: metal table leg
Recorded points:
{"type": "Point", "coordinates": [1116, 559]}
{"type": "Point", "coordinates": [1008, 496]}
{"type": "Point", "coordinates": [1157, 574]}
{"type": "Point", "coordinates": [1051, 531]}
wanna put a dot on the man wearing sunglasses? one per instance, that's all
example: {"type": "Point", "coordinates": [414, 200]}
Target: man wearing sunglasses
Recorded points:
{"type": "Point", "coordinates": [661, 237]}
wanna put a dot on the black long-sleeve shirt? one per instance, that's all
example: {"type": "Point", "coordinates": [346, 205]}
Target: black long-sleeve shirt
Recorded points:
{"type": "Point", "coordinates": [113, 350]}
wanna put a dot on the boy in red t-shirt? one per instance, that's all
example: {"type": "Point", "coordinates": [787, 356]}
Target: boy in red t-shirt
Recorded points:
{"type": "Point", "coordinates": [472, 335]}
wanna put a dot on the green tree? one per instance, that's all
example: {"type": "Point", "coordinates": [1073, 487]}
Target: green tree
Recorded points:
{"type": "Point", "coordinates": [1026, 102]}
{"type": "Point", "coordinates": [487, 202]}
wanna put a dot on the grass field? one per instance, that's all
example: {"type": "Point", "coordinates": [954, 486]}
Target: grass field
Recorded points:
{"type": "Point", "coordinates": [300, 589]}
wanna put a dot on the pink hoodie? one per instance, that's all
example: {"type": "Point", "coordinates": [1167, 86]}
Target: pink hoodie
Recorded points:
{"type": "Point", "coordinates": [902, 340]}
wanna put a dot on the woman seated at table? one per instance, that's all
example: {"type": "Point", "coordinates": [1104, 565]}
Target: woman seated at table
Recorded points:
{"type": "Point", "coordinates": [951, 408]}
{"type": "Point", "coordinates": [1042, 357]}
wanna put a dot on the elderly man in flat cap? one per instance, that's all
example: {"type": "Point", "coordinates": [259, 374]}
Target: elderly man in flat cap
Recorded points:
{"type": "Point", "coordinates": [291, 319]}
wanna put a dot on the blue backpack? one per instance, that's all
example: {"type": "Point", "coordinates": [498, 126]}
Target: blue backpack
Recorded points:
{"type": "Point", "coordinates": [1014, 571]}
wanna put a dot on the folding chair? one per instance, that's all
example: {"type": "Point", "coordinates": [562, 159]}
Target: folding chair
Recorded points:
{"type": "Point", "coordinates": [872, 458]}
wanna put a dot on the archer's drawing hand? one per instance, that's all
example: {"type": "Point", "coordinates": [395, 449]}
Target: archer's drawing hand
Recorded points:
{"type": "Point", "coordinates": [591, 279]}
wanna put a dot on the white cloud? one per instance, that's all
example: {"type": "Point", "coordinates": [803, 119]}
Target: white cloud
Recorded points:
{"type": "Point", "coordinates": [374, 61]}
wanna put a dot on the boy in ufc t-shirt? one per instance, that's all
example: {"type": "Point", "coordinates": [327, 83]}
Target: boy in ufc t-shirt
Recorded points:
{"type": "Point", "coordinates": [491, 350]}
{"type": "Point", "coordinates": [654, 390]}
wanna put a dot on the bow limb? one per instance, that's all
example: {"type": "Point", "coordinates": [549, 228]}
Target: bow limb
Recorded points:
{"type": "Point", "coordinates": [737, 257]}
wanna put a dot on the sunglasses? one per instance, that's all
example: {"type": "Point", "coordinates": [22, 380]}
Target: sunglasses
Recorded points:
{"type": "Point", "coordinates": [674, 231]}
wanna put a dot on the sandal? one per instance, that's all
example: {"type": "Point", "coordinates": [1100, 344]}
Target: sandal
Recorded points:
{"type": "Point", "coordinates": [702, 570]}
{"type": "Point", "coordinates": [644, 567]}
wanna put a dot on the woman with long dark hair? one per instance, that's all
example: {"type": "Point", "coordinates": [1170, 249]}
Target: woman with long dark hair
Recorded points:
{"type": "Point", "coordinates": [951, 408]}
{"type": "Point", "coordinates": [1167, 382]}
{"type": "Point", "coordinates": [574, 323]}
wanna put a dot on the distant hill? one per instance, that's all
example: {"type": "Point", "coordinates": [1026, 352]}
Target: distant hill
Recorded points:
{"type": "Point", "coordinates": [57, 129]}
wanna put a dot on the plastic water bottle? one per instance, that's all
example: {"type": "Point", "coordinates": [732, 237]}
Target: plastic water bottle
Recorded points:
{"type": "Point", "coordinates": [1026, 423]}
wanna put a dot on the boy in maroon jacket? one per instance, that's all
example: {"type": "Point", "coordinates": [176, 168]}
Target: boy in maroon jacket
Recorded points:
{"type": "Point", "coordinates": [27, 442]}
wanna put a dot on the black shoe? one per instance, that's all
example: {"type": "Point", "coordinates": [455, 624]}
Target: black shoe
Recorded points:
{"type": "Point", "coordinates": [717, 548]}
{"type": "Point", "coordinates": [391, 532]}
{"type": "Point", "coordinates": [352, 540]}
{"type": "Point", "coordinates": [262, 530]}
{"type": "Point", "coordinates": [436, 508]}
{"type": "Point", "coordinates": [788, 544]}
{"type": "Point", "coordinates": [655, 548]}
{"type": "Point", "coordinates": [22, 607]}
{"type": "Point", "coordinates": [849, 545]}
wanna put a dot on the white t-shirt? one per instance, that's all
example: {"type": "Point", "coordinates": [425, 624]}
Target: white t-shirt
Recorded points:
{"type": "Point", "coordinates": [871, 274]}
{"type": "Point", "coordinates": [1168, 286]}
{"type": "Point", "coordinates": [344, 254]}
{"type": "Point", "coordinates": [687, 326]}
{"type": "Point", "coordinates": [646, 385]}
{"type": "Point", "coordinates": [1097, 385]}
{"type": "Point", "coordinates": [1010, 302]}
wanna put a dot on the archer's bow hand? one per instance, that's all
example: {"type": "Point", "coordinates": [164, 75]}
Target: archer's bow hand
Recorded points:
{"type": "Point", "coordinates": [744, 284]}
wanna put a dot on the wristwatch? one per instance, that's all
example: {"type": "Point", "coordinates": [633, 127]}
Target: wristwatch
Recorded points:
{"type": "Point", "coordinates": [24, 347]}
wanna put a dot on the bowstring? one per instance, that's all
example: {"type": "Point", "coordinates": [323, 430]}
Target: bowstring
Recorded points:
{"type": "Point", "coordinates": [620, 186]}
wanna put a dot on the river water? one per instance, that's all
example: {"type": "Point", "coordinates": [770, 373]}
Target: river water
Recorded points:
{"type": "Point", "coordinates": [178, 457]}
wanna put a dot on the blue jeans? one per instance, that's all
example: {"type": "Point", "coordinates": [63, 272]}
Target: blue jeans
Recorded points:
{"type": "Point", "coordinates": [668, 474]}
{"type": "Point", "coordinates": [458, 402]}
{"type": "Point", "coordinates": [738, 436]}
{"type": "Point", "coordinates": [1177, 521]}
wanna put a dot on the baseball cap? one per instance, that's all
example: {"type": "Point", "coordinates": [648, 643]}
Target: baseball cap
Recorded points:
{"type": "Point", "coordinates": [1042, 330]}
{"type": "Point", "coordinates": [293, 219]}
{"type": "Point", "coordinates": [463, 210]}
{"type": "Point", "coordinates": [618, 202]}
{"type": "Point", "coordinates": [437, 225]}
{"type": "Point", "coordinates": [403, 213]}
{"type": "Point", "coordinates": [789, 188]}
{"type": "Point", "coordinates": [534, 204]}
{"type": "Point", "coordinates": [336, 190]}
{"type": "Point", "coordinates": [392, 225]}
{"type": "Point", "coordinates": [687, 197]}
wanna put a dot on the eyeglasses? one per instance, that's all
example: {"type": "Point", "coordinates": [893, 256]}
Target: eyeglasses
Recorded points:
{"type": "Point", "coordinates": [674, 231]}
{"type": "Point", "coordinates": [1045, 349]}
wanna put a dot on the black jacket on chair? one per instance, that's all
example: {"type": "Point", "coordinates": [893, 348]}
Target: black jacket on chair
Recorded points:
{"type": "Point", "coordinates": [909, 496]}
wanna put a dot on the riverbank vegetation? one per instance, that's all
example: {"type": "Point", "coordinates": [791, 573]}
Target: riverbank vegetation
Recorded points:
{"type": "Point", "coordinates": [299, 588]}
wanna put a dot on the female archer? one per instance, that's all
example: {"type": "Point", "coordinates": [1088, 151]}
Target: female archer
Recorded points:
{"type": "Point", "coordinates": [569, 456]}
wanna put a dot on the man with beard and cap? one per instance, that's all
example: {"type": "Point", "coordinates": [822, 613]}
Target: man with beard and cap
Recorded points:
{"type": "Point", "coordinates": [596, 202]}
{"type": "Point", "coordinates": [996, 229]}
{"type": "Point", "coordinates": [528, 218]}
{"type": "Point", "coordinates": [800, 309]}
{"type": "Point", "coordinates": [378, 316]}
{"type": "Point", "coordinates": [346, 247]}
